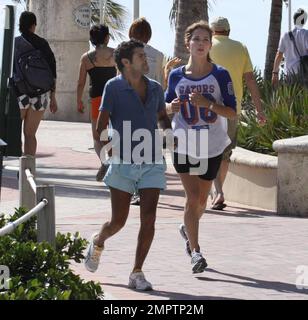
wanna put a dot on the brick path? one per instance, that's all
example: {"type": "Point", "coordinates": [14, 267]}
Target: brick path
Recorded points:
{"type": "Point", "coordinates": [252, 254]}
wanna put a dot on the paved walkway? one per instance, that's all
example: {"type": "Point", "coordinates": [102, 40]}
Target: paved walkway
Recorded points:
{"type": "Point", "coordinates": [252, 254]}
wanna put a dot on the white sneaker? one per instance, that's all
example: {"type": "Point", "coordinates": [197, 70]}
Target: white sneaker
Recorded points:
{"type": "Point", "coordinates": [137, 281]}
{"type": "Point", "coordinates": [198, 262]}
{"type": "Point", "coordinates": [93, 255]}
{"type": "Point", "coordinates": [183, 233]}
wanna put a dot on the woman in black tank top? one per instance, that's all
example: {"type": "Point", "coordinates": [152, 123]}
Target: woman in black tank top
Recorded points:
{"type": "Point", "coordinates": [100, 66]}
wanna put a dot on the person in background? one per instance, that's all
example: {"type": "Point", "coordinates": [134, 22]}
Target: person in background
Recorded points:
{"type": "Point", "coordinates": [100, 65]}
{"type": "Point", "coordinates": [290, 50]}
{"type": "Point", "coordinates": [32, 107]}
{"type": "Point", "coordinates": [233, 56]}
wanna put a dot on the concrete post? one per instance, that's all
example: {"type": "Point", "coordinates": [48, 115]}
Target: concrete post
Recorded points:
{"type": "Point", "coordinates": [292, 176]}
{"type": "Point", "coordinates": [65, 25]}
{"type": "Point", "coordinates": [26, 194]}
{"type": "Point", "coordinates": [46, 218]}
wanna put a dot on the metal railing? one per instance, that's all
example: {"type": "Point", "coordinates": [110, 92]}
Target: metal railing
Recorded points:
{"type": "Point", "coordinates": [41, 200]}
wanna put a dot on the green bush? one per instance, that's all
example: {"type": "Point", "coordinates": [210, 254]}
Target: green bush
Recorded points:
{"type": "Point", "coordinates": [286, 109]}
{"type": "Point", "coordinates": [40, 272]}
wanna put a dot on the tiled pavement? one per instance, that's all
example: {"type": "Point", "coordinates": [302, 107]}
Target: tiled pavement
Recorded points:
{"type": "Point", "coordinates": [252, 254]}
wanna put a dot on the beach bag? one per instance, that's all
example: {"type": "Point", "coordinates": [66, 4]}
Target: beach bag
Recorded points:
{"type": "Point", "coordinates": [303, 61]}
{"type": "Point", "coordinates": [32, 75]}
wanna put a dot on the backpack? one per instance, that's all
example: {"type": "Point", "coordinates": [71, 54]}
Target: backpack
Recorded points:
{"type": "Point", "coordinates": [32, 74]}
{"type": "Point", "coordinates": [303, 62]}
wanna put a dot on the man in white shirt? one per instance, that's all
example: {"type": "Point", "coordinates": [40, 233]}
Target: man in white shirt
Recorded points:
{"type": "Point", "coordinates": [287, 48]}
{"type": "Point", "coordinates": [141, 30]}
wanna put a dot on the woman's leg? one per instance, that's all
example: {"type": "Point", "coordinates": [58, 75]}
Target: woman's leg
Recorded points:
{"type": "Point", "coordinates": [32, 119]}
{"type": "Point", "coordinates": [205, 187]}
{"type": "Point", "coordinates": [192, 208]}
{"type": "Point", "coordinates": [97, 145]}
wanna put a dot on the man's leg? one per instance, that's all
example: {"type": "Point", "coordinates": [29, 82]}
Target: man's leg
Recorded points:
{"type": "Point", "coordinates": [218, 199]}
{"type": "Point", "coordinates": [148, 205]}
{"type": "Point", "coordinates": [120, 202]}
{"type": "Point", "coordinates": [219, 182]}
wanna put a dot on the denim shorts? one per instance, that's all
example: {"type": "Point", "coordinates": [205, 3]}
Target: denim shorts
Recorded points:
{"type": "Point", "coordinates": [132, 177]}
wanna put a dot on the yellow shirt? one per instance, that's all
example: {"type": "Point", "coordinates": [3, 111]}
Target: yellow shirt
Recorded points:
{"type": "Point", "coordinates": [233, 56]}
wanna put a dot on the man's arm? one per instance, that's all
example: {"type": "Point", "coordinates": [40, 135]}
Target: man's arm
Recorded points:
{"type": "Point", "coordinates": [101, 126]}
{"type": "Point", "coordinates": [170, 142]}
{"type": "Point", "coordinates": [275, 73]}
{"type": "Point", "coordinates": [164, 120]}
{"type": "Point", "coordinates": [255, 94]}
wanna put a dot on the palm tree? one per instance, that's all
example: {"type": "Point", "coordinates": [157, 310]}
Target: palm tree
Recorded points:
{"type": "Point", "coordinates": [273, 36]}
{"type": "Point", "coordinates": [183, 14]}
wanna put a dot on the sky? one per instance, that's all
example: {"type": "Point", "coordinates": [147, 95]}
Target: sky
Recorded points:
{"type": "Point", "coordinates": [249, 22]}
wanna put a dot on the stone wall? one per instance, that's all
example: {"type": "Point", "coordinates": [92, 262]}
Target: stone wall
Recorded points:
{"type": "Point", "coordinates": [252, 179]}
{"type": "Point", "coordinates": [68, 40]}
{"type": "Point", "coordinates": [292, 176]}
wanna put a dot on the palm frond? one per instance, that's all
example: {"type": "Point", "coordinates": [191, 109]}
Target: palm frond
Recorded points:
{"type": "Point", "coordinates": [115, 18]}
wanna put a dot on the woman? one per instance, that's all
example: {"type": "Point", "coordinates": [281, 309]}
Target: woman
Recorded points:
{"type": "Point", "coordinates": [100, 65]}
{"type": "Point", "coordinates": [32, 107]}
{"type": "Point", "coordinates": [201, 96]}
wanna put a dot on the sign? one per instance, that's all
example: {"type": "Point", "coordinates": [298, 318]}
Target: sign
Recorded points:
{"type": "Point", "coordinates": [82, 16]}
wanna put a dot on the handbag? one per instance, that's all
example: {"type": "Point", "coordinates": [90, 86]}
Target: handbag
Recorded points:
{"type": "Point", "coordinates": [303, 61]}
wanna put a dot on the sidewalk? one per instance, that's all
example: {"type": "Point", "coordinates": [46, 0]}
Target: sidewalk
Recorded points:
{"type": "Point", "coordinates": [252, 254]}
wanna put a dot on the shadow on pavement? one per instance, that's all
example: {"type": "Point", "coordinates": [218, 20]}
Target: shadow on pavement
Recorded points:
{"type": "Point", "coordinates": [167, 294]}
{"type": "Point", "coordinates": [81, 191]}
{"type": "Point", "coordinates": [254, 283]}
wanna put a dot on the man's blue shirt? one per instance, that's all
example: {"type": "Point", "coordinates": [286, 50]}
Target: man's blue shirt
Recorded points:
{"type": "Point", "coordinates": [125, 106]}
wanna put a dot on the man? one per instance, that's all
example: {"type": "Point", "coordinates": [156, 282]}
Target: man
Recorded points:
{"type": "Point", "coordinates": [134, 101]}
{"type": "Point", "coordinates": [141, 30]}
{"type": "Point", "coordinates": [233, 56]}
{"type": "Point", "coordinates": [288, 50]}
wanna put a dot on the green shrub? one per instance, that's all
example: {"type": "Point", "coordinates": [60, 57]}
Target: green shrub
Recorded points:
{"type": "Point", "coordinates": [286, 109]}
{"type": "Point", "coordinates": [38, 271]}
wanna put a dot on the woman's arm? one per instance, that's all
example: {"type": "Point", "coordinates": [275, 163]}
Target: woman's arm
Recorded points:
{"type": "Point", "coordinates": [81, 84]}
{"type": "Point", "coordinates": [199, 100]}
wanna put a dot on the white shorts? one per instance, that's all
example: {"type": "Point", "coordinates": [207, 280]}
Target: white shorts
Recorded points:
{"type": "Point", "coordinates": [39, 103]}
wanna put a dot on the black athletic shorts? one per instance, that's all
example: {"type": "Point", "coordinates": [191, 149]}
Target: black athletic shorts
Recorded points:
{"type": "Point", "coordinates": [206, 169]}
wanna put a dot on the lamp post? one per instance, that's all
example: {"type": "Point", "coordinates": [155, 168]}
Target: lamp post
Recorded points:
{"type": "Point", "coordinates": [102, 10]}
{"type": "Point", "coordinates": [136, 9]}
{"type": "Point", "coordinates": [290, 14]}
